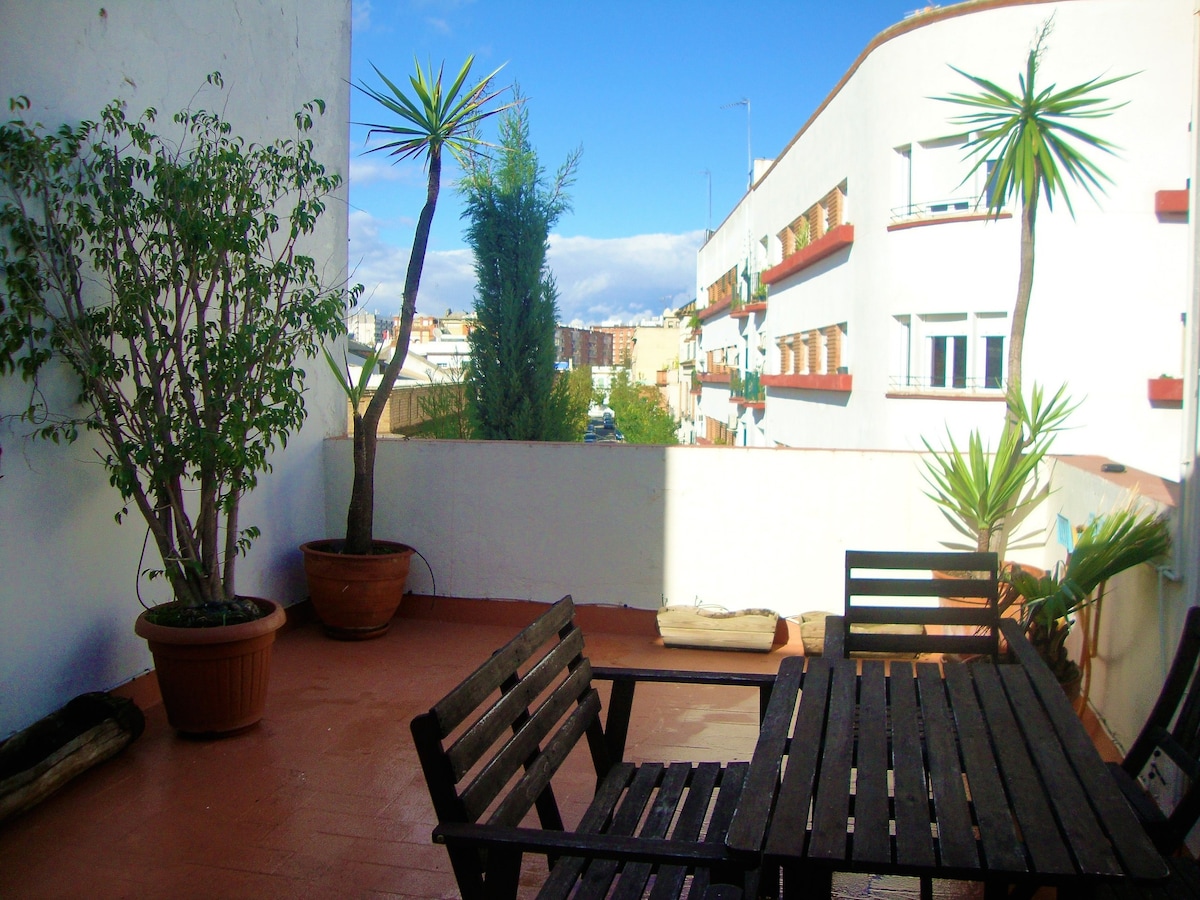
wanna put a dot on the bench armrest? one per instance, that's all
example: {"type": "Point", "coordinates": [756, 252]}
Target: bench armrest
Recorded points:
{"type": "Point", "coordinates": [588, 846]}
{"type": "Point", "coordinates": [625, 680]}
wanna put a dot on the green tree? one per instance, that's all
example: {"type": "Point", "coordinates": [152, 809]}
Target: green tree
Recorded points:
{"type": "Point", "coordinates": [511, 209]}
{"type": "Point", "coordinates": [167, 273]}
{"type": "Point", "coordinates": [445, 408]}
{"type": "Point", "coordinates": [639, 412]}
{"type": "Point", "coordinates": [579, 393]}
{"type": "Point", "coordinates": [433, 119]}
{"type": "Point", "coordinates": [1033, 139]}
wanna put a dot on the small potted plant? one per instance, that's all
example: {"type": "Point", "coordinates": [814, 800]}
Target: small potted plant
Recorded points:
{"type": "Point", "coordinates": [166, 273]}
{"type": "Point", "coordinates": [356, 583]}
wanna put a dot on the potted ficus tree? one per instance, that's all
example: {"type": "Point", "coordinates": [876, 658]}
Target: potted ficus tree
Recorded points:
{"type": "Point", "coordinates": [356, 583]}
{"type": "Point", "coordinates": [166, 272]}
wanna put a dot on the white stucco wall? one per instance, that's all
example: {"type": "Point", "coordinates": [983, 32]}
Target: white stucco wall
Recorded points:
{"type": "Point", "coordinates": [1111, 283]}
{"type": "Point", "coordinates": [739, 527]}
{"type": "Point", "coordinates": [68, 589]}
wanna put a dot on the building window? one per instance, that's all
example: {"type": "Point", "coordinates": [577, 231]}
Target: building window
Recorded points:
{"type": "Point", "coordinates": [948, 361]}
{"type": "Point", "coordinates": [949, 351]}
{"type": "Point", "coordinates": [930, 180]}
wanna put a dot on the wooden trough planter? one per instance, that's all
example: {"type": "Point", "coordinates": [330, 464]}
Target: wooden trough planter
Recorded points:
{"type": "Point", "coordinates": [717, 629]}
{"type": "Point", "coordinates": [36, 762]}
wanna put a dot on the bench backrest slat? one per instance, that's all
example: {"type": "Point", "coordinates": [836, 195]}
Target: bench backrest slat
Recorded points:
{"type": "Point", "coordinates": [876, 588]}
{"type": "Point", "coordinates": [498, 720]}
{"type": "Point", "coordinates": [454, 708]}
{"type": "Point", "coordinates": [525, 743]}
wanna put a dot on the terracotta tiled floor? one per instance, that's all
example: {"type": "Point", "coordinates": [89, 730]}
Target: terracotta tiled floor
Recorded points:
{"type": "Point", "coordinates": [324, 798]}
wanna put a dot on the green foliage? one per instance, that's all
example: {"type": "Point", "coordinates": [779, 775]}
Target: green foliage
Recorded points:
{"type": "Point", "coordinates": [580, 396]}
{"type": "Point", "coordinates": [164, 273]}
{"type": "Point", "coordinates": [445, 408]}
{"type": "Point", "coordinates": [1033, 137]}
{"type": "Point", "coordinates": [434, 118]}
{"type": "Point", "coordinates": [639, 413]}
{"type": "Point", "coordinates": [1108, 546]}
{"type": "Point", "coordinates": [356, 391]}
{"type": "Point", "coordinates": [978, 489]}
{"type": "Point", "coordinates": [510, 210]}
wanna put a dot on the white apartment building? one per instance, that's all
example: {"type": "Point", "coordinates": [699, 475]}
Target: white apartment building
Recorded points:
{"type": "Point", "coordinates": [889, 290]}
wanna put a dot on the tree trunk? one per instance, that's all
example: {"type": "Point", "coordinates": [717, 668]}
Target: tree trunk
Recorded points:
{"type": "Point", "coordinates": [1016, 340]}
{"type": "Point", "coordinates": [360, 518]}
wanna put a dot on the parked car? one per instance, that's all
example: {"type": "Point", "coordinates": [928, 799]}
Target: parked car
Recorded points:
{"type": "Point", "coordinates": [590, 437]}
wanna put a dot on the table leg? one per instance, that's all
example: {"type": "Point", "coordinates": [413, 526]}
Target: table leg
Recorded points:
{"type": "Point", "coordinates": [798, 883]}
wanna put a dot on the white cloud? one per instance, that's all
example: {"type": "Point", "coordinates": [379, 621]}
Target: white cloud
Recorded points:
{"type": "Point", "coordinates": [599, 280]}
{"type": "Point", "coordinates": [367, 170]}
{"type": "Point", "coordinates": [361, 16]}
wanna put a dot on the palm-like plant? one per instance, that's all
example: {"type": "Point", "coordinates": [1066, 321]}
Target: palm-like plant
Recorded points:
{"type": "Point", "coordinates": [1033, 140]}
{"type": "Point", "coordinates": [978, 490]}
{"type": "Point", "coordinates": [1107, 546]}
{"type": "Point", "coordinates": [435, 118]}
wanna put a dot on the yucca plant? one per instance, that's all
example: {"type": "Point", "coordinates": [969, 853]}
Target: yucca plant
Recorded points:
{"type": "Point", "coordinates": [1033, 138]}
{"type": "Point", "coordinates": [979, 489]}
{"type": "Point", "coordinates": [1107, 546]}
{"type": "Point", "coordinates": [435, 117]}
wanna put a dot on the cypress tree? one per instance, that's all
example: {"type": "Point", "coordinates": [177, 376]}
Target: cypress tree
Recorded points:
{"type": "Point", "coordinates": [510, 210]}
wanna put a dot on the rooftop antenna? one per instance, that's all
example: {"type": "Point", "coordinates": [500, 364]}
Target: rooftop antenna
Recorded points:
{"type": "Point", "coordinates": [745, 101]}
{"type": "Point", "coordinates": [708, 225]}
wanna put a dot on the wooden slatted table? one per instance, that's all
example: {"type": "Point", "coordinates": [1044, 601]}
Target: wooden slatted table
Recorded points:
{"type": "Point", "coordinates": [977, 772]}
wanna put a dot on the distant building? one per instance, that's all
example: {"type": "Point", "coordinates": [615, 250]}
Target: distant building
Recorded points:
{"type": "Point", "coordinates": [583, 346]}
{"type": "Point", "coordinates": [442, 340]}
{"type": "Point", "coordinates": [873, 307]}
{"type": "Point", "coordinates": [622, 338]}
{"type": "Point", "coordinates": [366, 328]}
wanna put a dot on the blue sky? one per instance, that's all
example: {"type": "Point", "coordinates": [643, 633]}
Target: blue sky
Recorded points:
{"type": "Point", "coordinates": [641, 87]}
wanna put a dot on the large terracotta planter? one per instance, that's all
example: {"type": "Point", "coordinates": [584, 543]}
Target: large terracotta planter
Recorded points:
{"type": "Point", "coordinates": [214, 680]}
{"type": "Point", "coordinates": [355, 596]}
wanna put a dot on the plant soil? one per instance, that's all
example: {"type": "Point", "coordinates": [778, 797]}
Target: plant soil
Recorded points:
{"type": "Point", "coordinates": [209, 615]}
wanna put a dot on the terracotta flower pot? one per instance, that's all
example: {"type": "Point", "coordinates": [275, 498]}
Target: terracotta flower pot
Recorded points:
{"type": "Point", "coordinates": [214, 680]}
{"type": "Point", "coordinates": [356, 596]}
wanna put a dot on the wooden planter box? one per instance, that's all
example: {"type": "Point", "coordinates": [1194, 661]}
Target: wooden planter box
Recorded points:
{"type": "Point", "coordinates": [711, 628]}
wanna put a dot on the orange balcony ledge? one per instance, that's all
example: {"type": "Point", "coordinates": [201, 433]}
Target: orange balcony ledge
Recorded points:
{"type": "Point", "coordinates": [1171, 205]}
{"type": "Point", "coordinates": [1165, 391]}
{"type": "Point", "coordinates": [823, 382]}
{"type": "Point", "coordinates": [748, 309]}
{"type": "Point", "coordinates": [714, 377]}
{"type": "Point", "coordinates": [829, 243]}
{"type": "Point", "coordinates": [749, 404]}
{"type": "Point", "coordinates": [715, 309]}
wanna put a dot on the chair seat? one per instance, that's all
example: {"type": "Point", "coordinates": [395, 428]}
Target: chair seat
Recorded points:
{"type": "Point", "coordinates": [688, 802]}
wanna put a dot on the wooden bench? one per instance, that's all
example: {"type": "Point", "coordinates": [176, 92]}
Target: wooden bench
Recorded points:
{"type": "Point", "coordinates": [491, 748]}
{"type": "Point", "coordinates": [969, 627]}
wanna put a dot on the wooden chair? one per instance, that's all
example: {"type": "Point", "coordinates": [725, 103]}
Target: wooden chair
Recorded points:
{"type": "Point", "coordinates": [1171, 735]}
{"type": "Point", "coordinates": [969, 628]}
{"type": "Point", "coordinates": [491, 748]}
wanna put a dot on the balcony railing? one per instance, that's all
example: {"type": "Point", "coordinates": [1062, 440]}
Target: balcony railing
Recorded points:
{"type": "Point", "coordinates": [746, 388]}
{"type": "Point", "coordinates": [926, 384]}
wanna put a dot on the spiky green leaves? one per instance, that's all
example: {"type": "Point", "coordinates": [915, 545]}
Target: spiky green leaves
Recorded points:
{"type": "Point", "coordinates": [1032, 136]}
{"type": "Point", "coordinates": [436, 117]}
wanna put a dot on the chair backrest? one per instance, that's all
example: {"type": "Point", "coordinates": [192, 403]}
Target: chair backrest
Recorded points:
{"type": "Point", "coordinates": [491, 746]}
{"type": "Point", "coordinates": [1173, 731]}
{"type": "Point", "coordinates": [965, 621]}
